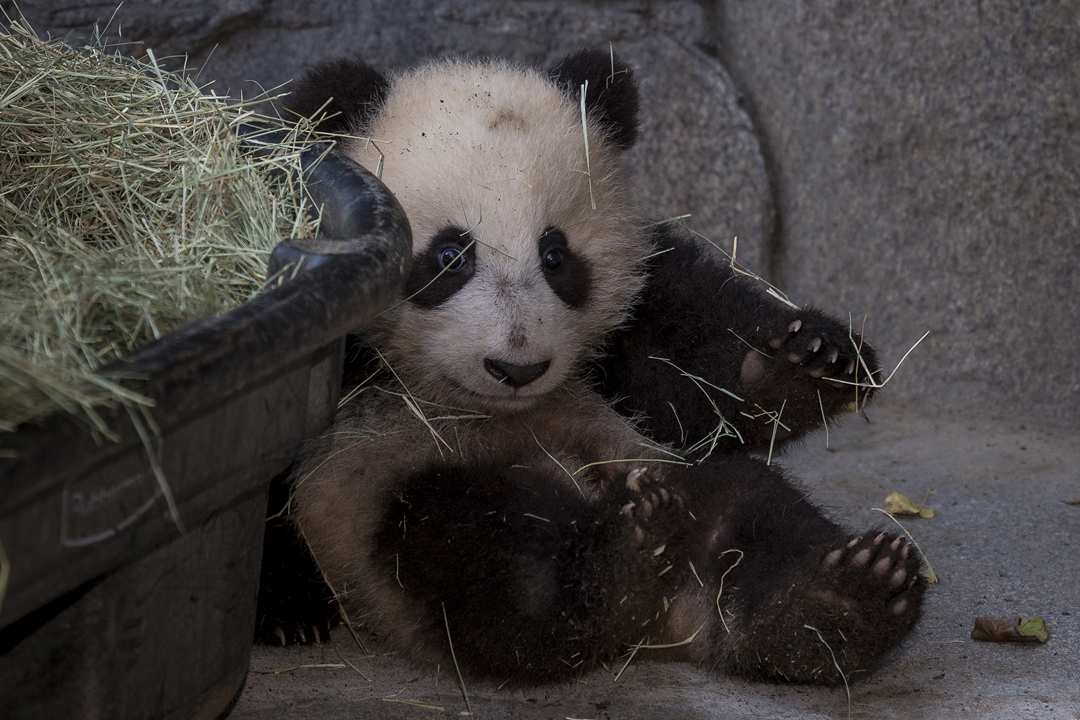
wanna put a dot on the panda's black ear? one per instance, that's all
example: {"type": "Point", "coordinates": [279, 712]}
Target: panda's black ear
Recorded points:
{"type": "Point", "coordinates": [349, 90]}
{"type": "Point", "coordinates": [611, 96]}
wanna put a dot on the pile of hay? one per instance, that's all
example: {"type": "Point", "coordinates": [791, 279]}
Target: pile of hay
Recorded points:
{"type": "Point", "coordinates": [128, 208]}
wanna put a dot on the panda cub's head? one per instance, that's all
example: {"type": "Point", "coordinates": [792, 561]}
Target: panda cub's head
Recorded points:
{"type": "Point", "coordinates": [526, 247]}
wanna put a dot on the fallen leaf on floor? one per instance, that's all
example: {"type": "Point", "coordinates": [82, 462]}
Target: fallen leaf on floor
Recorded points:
{"type": "Point", "coordinates": [1010, 629]}
{"type": "Point", "coordinates": [1035, 627]}
{"type": "Point", "coordinates": [897, 504]}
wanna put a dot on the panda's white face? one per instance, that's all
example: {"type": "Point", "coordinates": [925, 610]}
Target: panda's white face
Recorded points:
{"type": "Point", "coordinates": [516, 278]}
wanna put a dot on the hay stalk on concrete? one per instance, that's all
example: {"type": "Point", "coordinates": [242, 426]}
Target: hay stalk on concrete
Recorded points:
{"type": "Point", "coordinates": [461, 680]}
{"type": "Point", "coordinates": [128, 207]}
{"type": "Point", "coordinates": [847, 688]}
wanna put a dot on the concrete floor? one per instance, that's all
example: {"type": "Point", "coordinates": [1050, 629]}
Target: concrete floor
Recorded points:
{"type": "Point", "coordinates": [1005, 541]}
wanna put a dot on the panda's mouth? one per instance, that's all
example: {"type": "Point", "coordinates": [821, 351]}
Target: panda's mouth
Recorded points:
{"type": "Point", "coordinates": [510, 398]}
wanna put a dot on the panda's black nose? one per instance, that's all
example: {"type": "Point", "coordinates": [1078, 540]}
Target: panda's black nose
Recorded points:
{"type": "Point", "coordinates": [515, 375]}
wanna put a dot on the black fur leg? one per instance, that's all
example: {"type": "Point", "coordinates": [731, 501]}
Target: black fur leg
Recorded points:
{"type": "Point", "coordinates": [785, 566]}
{"type": "Point", "coordinates": [536, 582]}
{"type": "Point", "coordinates": [707, 343]}
{"type": "Point", "coordinates": [295, 604]}
{"type": "Point", "coordinates": [846, 610]}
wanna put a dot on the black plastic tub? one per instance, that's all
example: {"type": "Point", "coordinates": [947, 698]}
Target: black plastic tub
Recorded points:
{"type": "Point", "coordinates": [113, 609]}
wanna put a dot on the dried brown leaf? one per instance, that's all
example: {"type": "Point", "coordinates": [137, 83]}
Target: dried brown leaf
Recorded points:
{"type": "Point", "coordinates": [1010, 629]}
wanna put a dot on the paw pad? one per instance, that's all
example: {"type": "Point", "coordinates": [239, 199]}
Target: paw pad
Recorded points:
{"type": "Point", "coordinates": [882, 566]}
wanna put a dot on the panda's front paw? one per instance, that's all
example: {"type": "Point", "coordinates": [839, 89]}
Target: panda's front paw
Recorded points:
{"type": "Point", "coordinates": [819, 350]}
{"type": "Point", "coordinates": [656, 513]}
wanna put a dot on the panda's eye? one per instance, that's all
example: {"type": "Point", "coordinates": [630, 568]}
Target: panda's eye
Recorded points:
{"type": "Point", "coordinates": [553, 259]}
{"type": "Point", "coordinates": [553, 250]}
{"type": "Point", "coordinates": [566, 272]}
{"type": "Point", "coordinates": [451, 259]}
{"type": "Point", "coordinates": [442, 268]}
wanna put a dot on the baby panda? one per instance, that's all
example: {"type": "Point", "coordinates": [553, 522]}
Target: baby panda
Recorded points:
{"type": "Point", "coordinates": [547, 456]}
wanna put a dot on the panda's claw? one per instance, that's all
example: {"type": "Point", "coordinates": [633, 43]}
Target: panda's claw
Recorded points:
{"type": "Point", "coordinates": [813, 349]}
{"type": "Point", "coordinates": [633, 478]}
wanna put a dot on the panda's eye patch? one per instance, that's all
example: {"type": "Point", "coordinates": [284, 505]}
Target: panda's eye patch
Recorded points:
{"type": "Point", "coordinates": [452, 259]}
{"type": "Point", "coordinates": [567, 273]}
{"type": "Point", "coordinates": [442, 268]}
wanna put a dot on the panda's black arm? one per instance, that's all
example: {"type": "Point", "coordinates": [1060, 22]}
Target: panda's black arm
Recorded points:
{"type": "Point", "coordinates": [699, 317]}
{"type": "Point", "coordinates": [527, 579]}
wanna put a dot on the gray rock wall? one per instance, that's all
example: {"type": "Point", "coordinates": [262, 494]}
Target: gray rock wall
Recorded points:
{"type": "Point", "coordinates": [926, 163]}
{"type": "Point", "coordinates": [912, 162]}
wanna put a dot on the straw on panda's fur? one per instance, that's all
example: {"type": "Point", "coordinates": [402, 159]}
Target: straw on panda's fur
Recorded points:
{"type": "Point", "coordinates": [128, 208]}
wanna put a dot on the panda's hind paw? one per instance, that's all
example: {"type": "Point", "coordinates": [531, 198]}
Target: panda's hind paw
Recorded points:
{"type": "Point", "coordinates": [863, 597]}
{"type": "Point", "coordinates": [286, 632]}
{"type": "Point", "coordinates": [305, 615]}
{"type": "Point", "coordinates": [842, 613]}
{"type": "Point", "coordinates": [871, 577]}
